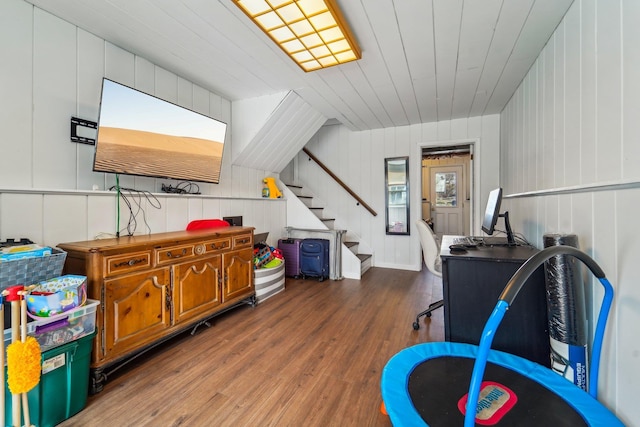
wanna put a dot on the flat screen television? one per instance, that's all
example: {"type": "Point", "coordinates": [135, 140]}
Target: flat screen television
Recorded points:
{"type": "Point", "coordinates": [140, 134]}
{"type": "Point", "coordinates": [492, 213]}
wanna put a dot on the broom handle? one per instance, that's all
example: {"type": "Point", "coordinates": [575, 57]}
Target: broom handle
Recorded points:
{"type": "Point", "coordinates": [25, 405]}
{"type": "Point", "coordinates": [15, 336]}
{"type": "Point", "coordinates": [23, 337]}
{"type": "Point", "coordinates": [2, 403]}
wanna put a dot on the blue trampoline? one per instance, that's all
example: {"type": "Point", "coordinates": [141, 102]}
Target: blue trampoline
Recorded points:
{"type": "Point", "coordinates": [430, 384]}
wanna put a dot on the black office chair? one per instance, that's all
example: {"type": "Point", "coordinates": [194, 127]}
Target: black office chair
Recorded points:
{"type": "Point", "coordinates": [430, 253]}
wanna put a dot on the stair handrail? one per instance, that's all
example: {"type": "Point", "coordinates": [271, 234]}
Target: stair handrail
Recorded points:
{"type": "Point", "coordinates": [339, 181]}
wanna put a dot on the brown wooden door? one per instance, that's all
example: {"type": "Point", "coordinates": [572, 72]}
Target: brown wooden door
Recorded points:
{"type": "Point", "coordinates": [136, 310]}
{"type": "Point", "coordinates": [196, 287]}
{"type": "Point", "coordinates": [238, 274]}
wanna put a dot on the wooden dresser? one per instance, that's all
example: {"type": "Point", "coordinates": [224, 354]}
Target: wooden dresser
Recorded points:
{"type": "Point", "coordinates": [155, 286]}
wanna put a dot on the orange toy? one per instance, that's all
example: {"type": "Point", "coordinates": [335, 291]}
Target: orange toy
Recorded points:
{"type": "Point", "coordinates": [274, 193]}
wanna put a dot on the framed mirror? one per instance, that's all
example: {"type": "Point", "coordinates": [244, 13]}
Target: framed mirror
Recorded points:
{"type": "Point", "coordinates": [396, 177]}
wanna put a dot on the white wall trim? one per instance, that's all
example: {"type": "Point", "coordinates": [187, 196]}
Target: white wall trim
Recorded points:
{"type": "Point", "coordinates": [113, 193]}
{"type": "Point", "coordinates": [584, 188]}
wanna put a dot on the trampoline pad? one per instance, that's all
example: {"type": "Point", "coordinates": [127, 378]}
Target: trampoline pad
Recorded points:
{"type": "Point", "coordinates": [436, 385]}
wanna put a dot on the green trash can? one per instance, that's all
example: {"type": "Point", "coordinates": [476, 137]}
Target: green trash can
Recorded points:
{"type": "Point", "coordinates": [63, 387]}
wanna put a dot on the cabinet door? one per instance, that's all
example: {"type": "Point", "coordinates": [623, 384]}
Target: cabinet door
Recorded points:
{"type": "Point", "coordinates": [238, 274]}
{"type": "Point", "coordinates": [472, 288]}
{"type": "Point", "coordinates": [196, 287]}
{"type": "Point", "coordinates": [136, 310]}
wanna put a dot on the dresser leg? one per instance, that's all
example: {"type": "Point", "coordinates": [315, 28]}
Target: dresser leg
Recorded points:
{"type": "Point", "coordinates": [97, 378]}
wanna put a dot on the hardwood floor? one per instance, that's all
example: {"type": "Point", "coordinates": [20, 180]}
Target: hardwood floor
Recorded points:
{"type": "Point", "coordinates": [309, 356]}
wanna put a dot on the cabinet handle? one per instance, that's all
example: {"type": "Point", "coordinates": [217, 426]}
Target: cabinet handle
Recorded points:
{"type": "Point", "coordinates": [222, 245]}
{"type": "Point", "coordinates": [245, 240]}
{"type": "Point", "coordinates": [184, 252]}
{"type": "Point", "coordinates": [130, 263]}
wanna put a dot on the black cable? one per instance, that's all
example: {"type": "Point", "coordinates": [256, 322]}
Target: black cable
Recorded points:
{"type": "Point", "coordinates": [189, 187]}
{"type": "Point", "coordinates": [184, 187]}
{"type": "Point", "coordinates": [517, 236]}
{"type": "Point", "coordinates": [136, 196]}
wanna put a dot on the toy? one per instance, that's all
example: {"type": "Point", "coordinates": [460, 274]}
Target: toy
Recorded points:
{"type": "Point", "coordinates": [264, 256]}
{"type": "Point", "coordinates": [273, 192]}
{"type": "Point", "coordinates": [54, 296]}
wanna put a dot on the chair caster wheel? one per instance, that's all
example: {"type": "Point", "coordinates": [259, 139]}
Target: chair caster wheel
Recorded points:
{"type": "Point", "coordinates": [416, 326]}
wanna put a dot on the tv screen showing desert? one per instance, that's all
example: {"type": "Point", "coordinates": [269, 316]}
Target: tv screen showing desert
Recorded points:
{"type": "Point", "coordinates": [152, 154]}
{"type": "Point", "coordinates": [139, 134]}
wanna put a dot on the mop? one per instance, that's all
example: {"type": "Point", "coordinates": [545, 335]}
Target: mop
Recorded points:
{"type": "Point", "coordinates": [23, 356]}
{"type": "Point", "coordinates": [2, 403]}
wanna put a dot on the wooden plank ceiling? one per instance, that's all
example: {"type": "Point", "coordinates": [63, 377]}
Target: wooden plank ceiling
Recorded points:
{"type": "Point", "coordinates": [422, 60]}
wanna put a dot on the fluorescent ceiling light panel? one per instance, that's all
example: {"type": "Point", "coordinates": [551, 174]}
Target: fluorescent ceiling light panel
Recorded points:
{"type": "Point", "coordinates": [312, 32]}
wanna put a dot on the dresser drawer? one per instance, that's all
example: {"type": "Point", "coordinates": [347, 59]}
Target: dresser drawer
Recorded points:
{"type": "Point", "coordinates": [218, 245]}
{"type": "Point", "coordinates": [120, 264]}
{"type": "Point", "coordinates": [242, 241]}
{"type": "Point", "coordinates": [170, 254]}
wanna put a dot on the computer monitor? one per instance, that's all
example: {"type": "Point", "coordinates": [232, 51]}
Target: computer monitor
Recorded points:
{"type": "Point", "coordinates": [492, 213]}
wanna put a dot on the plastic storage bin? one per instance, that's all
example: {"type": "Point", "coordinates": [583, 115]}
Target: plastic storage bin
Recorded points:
{"type": "Point", "coordinates": [57, 295]}
{"type": "Point", "coordinates": [63, 387]}
{"type": "Point", "coordinates": [62, 328]}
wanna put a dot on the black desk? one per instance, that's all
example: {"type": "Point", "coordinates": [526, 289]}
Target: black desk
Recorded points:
{"type": "Point", "coordinates": [472, 284]}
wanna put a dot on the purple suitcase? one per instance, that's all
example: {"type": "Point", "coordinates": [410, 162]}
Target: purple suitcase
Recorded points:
{"type": "Point", "coordinates": [291, 252]}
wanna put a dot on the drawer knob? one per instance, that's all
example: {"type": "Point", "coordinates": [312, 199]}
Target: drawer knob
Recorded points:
{"type": "Point", "coordinates": [130, 263]}
{"type": "Point", "coordinates": [170, 255]}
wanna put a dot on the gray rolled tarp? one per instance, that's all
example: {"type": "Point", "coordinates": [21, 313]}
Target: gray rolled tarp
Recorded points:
{"type": "Point", "coordinates": [566, 312]}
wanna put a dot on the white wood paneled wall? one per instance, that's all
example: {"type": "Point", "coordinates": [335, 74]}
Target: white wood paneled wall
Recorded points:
{"type": "Point", "coordinates": [55, 217]}
{"type": "Point", "coordinates": [570, 152]}
{"type": "Point", "coordinates": [357, 158]}
{"type": "Point", "coordinates": [52, 70]}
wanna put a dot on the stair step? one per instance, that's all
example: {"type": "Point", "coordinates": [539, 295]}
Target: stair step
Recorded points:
{"type": "Point", "coordinates": [365, 263]}
{"type": "Point", "coordinates": [363, 257]}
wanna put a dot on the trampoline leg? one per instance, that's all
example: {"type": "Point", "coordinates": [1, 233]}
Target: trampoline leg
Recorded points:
{"type": "Point", "coordinates": [383, 410]}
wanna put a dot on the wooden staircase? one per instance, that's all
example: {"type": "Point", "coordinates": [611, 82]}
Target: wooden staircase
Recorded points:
{"type": "Point", "coordinates": [318, 211]}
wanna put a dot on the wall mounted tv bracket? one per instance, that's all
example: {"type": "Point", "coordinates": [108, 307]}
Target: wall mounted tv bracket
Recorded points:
{"type": "Point", "coordinates": [75, 122]}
